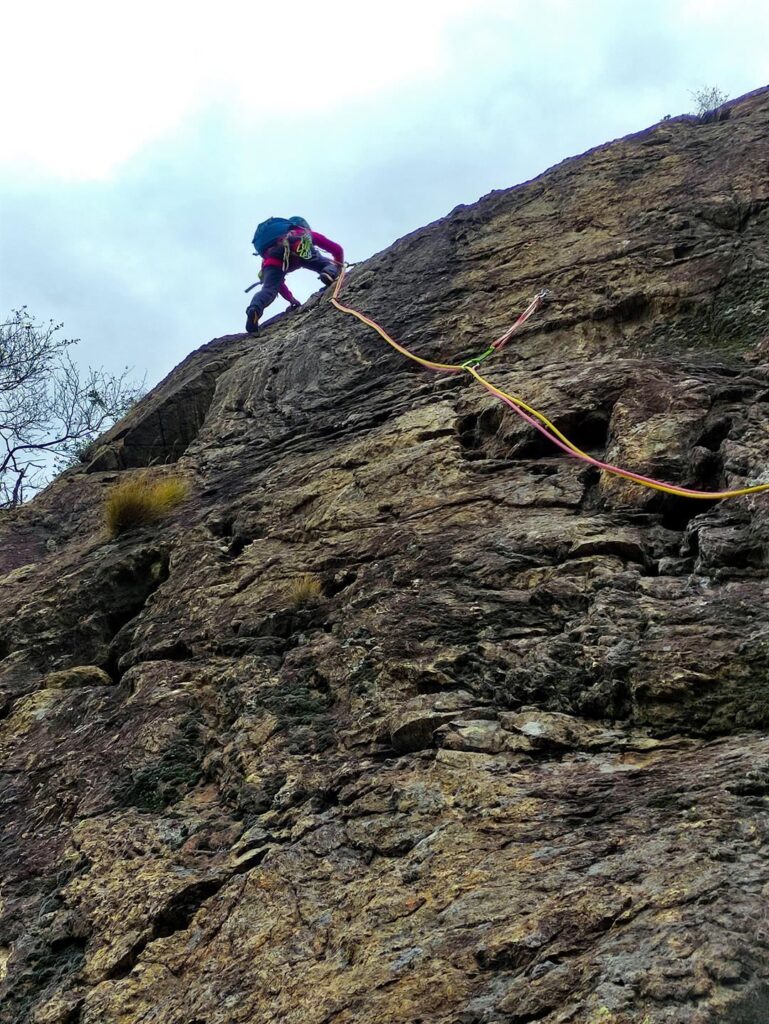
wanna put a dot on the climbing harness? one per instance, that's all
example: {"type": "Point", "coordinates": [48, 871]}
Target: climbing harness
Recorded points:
{"type": "Point", "coordinates": [297, 242]}
{"type": "Point", "coordinates": [526, 412]}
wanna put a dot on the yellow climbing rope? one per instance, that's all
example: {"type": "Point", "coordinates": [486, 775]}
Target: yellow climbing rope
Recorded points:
{"type": "Point", "coordinates": [530, 415]}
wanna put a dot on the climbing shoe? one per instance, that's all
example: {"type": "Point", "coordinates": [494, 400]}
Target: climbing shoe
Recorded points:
{"type": "Point", "coordinates": [252, 321]}
{"type": "Point", "coordinates": [327, 277]}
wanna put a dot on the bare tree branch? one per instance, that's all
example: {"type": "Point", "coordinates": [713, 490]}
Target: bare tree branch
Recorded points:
{"type": "Point", "coordinates": [49, 408]}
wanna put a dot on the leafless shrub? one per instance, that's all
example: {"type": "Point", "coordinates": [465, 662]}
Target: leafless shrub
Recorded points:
{"type": "Point", "coordinates": [49, 407]}
{"type": "Point", "coordinates": [707, 99]}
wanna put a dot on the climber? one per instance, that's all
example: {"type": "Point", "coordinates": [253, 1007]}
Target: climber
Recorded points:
{"type": "Point", "coordinates": [286, 244]}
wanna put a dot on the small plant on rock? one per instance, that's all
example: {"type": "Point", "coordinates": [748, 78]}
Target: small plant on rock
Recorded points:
{"type": "Point", "coordinates": [84, 452]}
{"type": "Point", "coordinates": [707, 100]}
{"type": "Point", "coordinates": [142, 500]}
{"type": "Point", "coordinates": [305, 590]}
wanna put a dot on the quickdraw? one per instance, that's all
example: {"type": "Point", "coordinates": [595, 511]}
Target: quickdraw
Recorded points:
{"type": "Point", "coordinates": [296, 243]}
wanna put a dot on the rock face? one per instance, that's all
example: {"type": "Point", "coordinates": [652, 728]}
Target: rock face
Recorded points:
{"type": "Point", "coordinates": [513, 765]}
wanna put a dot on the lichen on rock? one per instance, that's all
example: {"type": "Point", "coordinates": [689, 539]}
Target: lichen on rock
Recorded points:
{"type": "Point", "coordinates": [512, 765]}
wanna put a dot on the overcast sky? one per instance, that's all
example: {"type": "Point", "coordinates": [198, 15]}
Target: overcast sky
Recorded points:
{"type": "Point", "coordinates": [141, 143]}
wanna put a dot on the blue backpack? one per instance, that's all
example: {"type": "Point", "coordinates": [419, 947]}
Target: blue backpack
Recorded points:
{"type": "Point", "coordinates": [273, 229]}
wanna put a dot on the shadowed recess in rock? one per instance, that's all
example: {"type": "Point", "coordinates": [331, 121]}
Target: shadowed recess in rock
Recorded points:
{"type": "Point", "coordinates": [406, 716]}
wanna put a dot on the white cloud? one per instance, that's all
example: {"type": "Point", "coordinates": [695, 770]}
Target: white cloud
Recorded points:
{"type": "Point", "coordinates": [154, 139]}
{"type": "Point", "coordinates": [90, 84]}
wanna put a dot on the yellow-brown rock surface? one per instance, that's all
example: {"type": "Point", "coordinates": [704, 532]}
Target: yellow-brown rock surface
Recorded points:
{"type": "Point", "coordinates": [513, 765]}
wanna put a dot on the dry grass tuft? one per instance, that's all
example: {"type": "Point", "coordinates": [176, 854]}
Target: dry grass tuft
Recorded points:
{"type": "Point", "coordinates": [141, 500]}
{"type": "Point", "coordinates": [304, 590]}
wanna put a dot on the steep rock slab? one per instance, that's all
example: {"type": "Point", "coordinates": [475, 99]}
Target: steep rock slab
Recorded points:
{"type": "Point", "coordinates": [573, 671]}
{"type": "Point", "coordinates": [474, 888]}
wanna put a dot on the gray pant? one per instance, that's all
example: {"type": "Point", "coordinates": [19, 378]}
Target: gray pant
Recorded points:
{"type": "Point", "coordinates": [273, 278]}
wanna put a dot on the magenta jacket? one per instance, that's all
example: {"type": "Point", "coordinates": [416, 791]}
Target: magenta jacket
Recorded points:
{"type": "Point", "coordinates": [337, 253]}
